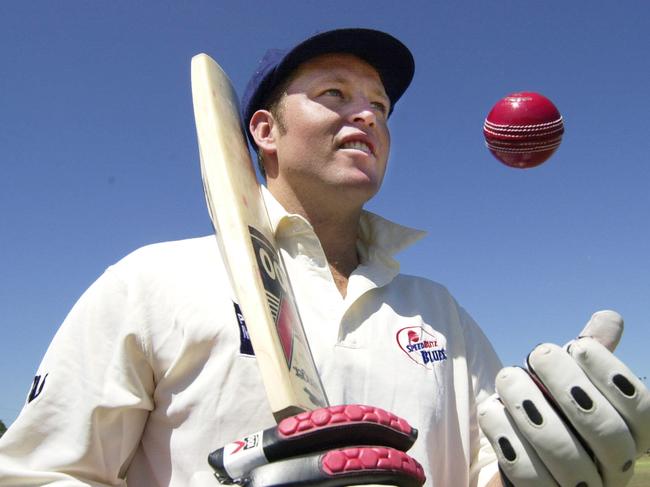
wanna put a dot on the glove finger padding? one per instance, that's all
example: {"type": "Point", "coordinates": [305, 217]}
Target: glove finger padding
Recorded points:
{"type": "Point", "coordinates": [341, 467]}
{"type": "Point", "coordinates": [589, 412]}
{"type": "Point", "coordinates": [606, 326]}
{"type": "Point", "coordinates": [622, 388]}
{"type": "Point", "coordinates": [311, 432]}
{"type": "Point", "coordinates": [517, 459]}
{"type": "Point", "coordinates": [538, 422]}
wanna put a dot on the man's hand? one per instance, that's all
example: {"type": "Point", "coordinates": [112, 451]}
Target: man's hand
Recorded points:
{"type": "Point", "coordinates": [333, 446]}
{"type": "Point", "coordinates": [577, 416]}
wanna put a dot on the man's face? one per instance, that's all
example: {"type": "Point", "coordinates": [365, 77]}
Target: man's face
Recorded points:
{"type": "Point", "coordinates": [332, 133]}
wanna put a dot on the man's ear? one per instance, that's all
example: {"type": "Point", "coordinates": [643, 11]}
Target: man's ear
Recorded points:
{"type": "Point", "coordinates": [261, 127]}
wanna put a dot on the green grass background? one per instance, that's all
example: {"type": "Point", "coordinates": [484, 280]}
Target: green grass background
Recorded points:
{"type": "Point", "coordinates": [641, 473]}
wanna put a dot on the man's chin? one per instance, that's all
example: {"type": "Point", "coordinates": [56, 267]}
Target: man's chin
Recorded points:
{"type": "Point", "coordinates": [359, 188]}
{"type": "Point", "coordinates": [361, 177]}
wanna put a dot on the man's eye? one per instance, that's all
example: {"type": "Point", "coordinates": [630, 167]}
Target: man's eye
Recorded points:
{"type": "Point", "coordinates": [333, 92]}
{"type": "Point", "coordinates": [381, 107]}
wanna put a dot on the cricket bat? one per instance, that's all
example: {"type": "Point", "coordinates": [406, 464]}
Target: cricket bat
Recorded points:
{"type": "Point", "coordinates": [255, 267]}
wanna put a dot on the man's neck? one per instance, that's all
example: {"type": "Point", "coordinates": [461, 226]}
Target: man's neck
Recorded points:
{"type": "Point", "coordinates": [338, 239]}
{"type": "Point", "coordinates": [337, 230]}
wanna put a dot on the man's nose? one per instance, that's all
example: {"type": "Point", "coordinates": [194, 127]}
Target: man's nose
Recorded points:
{"type": "Point", "coordinates": [362, 112]}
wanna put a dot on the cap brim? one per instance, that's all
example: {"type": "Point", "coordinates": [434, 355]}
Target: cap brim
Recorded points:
{"type": "Point", "coordinates": [392, 59]}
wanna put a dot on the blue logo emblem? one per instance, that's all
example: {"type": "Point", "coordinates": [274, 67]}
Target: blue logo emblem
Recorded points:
{"type": "Point", "coordinates": [422, 346]}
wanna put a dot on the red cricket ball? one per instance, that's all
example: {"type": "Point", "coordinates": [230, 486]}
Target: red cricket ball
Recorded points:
{"type": "Point", "coordinates": [523, 129]}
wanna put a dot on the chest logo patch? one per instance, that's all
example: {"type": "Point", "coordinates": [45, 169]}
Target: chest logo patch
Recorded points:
{"type": "Point", "coordinates": [422, 346]}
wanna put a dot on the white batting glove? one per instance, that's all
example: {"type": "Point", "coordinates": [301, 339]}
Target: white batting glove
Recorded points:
{"type": "Point", "coordinates": [576, 417]}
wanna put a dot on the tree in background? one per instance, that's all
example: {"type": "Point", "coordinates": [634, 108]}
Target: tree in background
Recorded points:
{"type": "Point", "coordinates": [3, 428]}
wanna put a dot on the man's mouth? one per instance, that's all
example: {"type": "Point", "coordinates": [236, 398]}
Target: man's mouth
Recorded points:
{"type": "Point", "coordinates": [357, 145]}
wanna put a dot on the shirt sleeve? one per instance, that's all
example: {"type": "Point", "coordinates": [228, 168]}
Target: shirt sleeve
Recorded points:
{"type": "Point", "coordinates": [483, 365]}
{"type": "Point", "coordinates": [86, 412]}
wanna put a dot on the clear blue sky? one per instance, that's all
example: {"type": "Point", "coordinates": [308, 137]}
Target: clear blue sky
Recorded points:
{"type": "Point", "coordinates": [98, 154]}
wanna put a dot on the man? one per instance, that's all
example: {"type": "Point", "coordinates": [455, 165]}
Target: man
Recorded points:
{"type": "Point", "coordinates": [149, 372]}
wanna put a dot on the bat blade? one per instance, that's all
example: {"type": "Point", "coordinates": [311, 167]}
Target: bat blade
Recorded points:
{"type": "Point", "coordinates": [255, 267]}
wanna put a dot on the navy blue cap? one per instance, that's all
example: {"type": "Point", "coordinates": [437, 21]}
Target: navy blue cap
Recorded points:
{"type": "Point", "coordinates": [392, 60]}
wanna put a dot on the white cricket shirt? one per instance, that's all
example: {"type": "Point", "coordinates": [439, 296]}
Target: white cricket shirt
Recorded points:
{"type": "Point", "coordinates": [151, 371]}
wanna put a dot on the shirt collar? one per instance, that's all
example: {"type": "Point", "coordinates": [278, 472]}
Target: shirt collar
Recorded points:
{"type": "Point", "coordinates": [376, 234]}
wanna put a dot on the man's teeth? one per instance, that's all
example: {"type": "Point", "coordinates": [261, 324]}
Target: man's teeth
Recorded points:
{"type": "Point", "coordinates": [362, 146]}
